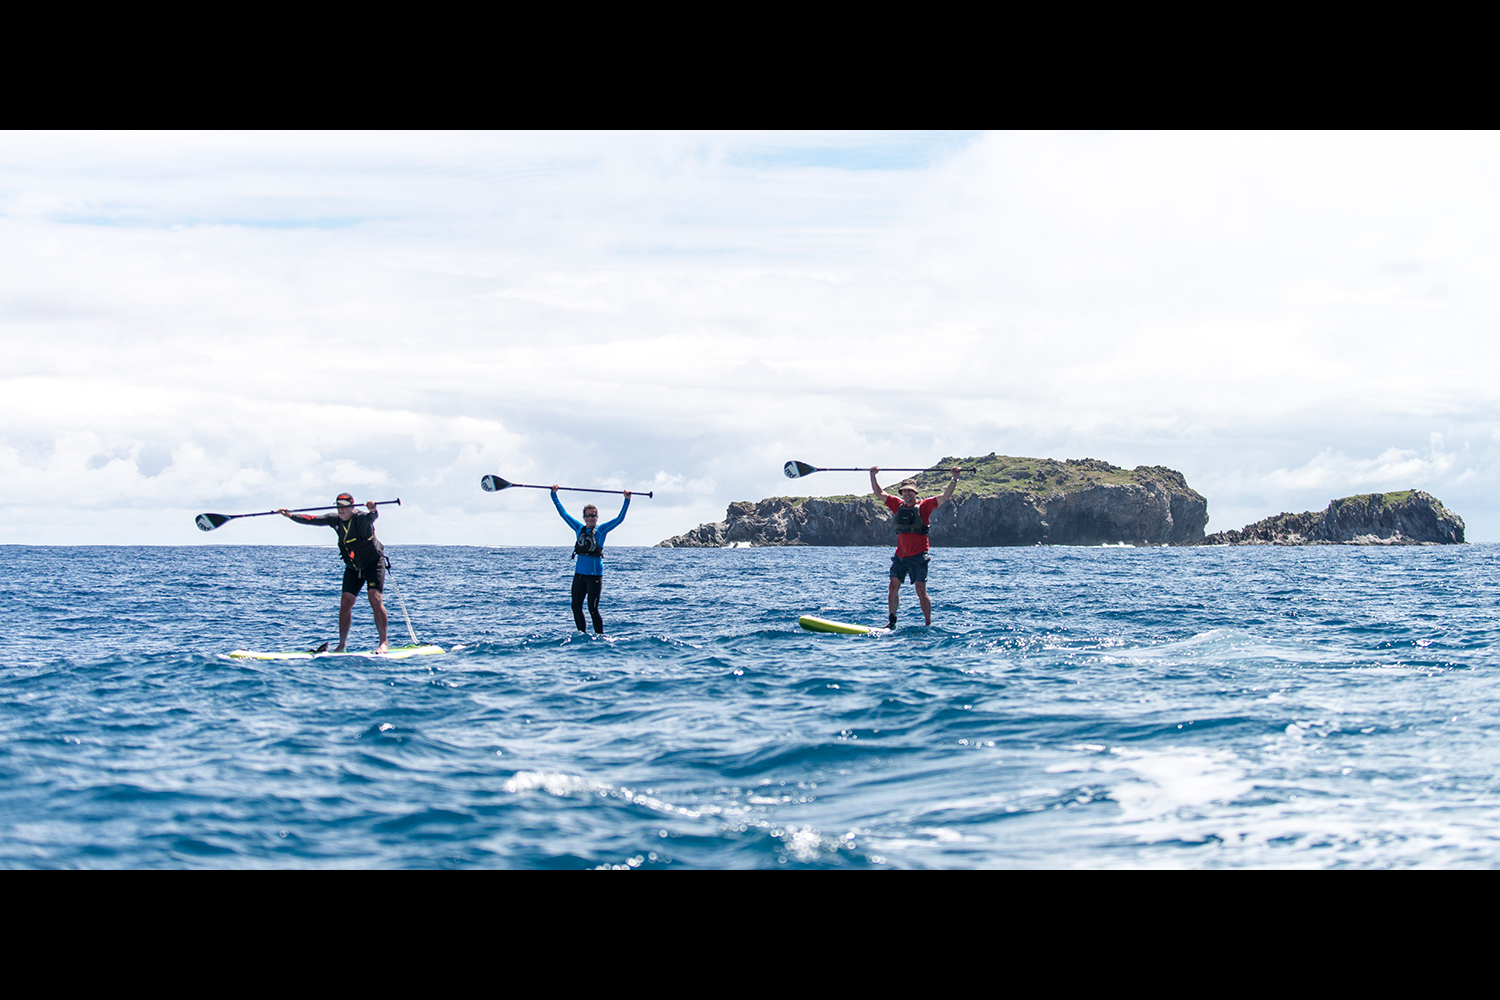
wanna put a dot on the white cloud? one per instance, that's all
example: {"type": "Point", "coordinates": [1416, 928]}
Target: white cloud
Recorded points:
{"type": "Point", "coordinates": [199, 321]}
{"type": "Point", "coordinates": [1333, 470]}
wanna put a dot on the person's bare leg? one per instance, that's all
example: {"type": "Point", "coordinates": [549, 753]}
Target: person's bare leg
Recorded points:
{"type": "Point", "coordinates": [377, 604]}
{"type": "Point", "coordinates": [894, 600]}
{"type": "Point", "coordinates": [346, 612]}
{"type": "Point", "coordinates": [926, 602]}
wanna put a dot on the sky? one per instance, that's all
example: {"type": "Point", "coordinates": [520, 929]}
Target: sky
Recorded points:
{"type": "Point", "coordinates": [236, 322]}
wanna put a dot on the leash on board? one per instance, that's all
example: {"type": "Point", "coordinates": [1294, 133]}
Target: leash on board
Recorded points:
{"type": "Point", "coordinates": [402, 600]}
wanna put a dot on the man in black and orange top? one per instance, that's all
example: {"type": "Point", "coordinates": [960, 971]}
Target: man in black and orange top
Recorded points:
{"type": "Point", "coordinates": [913, 518]}
{"type": "Point", "coordinates": [362, 560]}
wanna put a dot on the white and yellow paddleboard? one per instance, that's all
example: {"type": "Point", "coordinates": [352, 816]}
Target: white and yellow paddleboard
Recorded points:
{"type": "Point", "coordinates": [395, 653]}
{"type": "Point", "coordinates": [815, 624]}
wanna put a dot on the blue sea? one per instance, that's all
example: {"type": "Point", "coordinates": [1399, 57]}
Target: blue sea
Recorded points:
{"type": "Point", "coordinates": [1322, 707]}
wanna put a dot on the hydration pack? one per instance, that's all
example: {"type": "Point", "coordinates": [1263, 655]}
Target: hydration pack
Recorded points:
{"type": "Point", "coordinates": [909, 521]}
{"type": "Point", "coordinates": [587, 544]}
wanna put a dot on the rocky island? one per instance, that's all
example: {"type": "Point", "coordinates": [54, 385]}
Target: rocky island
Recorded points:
{"type": "Point", "coordinates": [1008, 501]}
{"type": "Point", "coordinates": [1408, 517]}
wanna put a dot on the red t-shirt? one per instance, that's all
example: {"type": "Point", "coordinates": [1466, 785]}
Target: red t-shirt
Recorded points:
{"type": "Point", "coordinates": [912, 543]}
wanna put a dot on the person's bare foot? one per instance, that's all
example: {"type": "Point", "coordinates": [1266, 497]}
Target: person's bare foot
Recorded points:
{"type": "Point", "coordinates": [339, 648]}
{"type": "Point", "coordinates": [382, 648]}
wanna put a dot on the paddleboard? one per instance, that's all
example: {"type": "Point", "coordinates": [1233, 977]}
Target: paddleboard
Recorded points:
{"type": "Point", "coordinates": [815, 624]}
{"type": "Point", "coordinates": [396, 653]}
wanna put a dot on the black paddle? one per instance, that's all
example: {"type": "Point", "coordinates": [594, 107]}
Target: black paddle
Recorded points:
{"type": "Point", "coordinates": [796, 470]}
{"type": "Point", "coordinates": [208, 522]}
{"type": "Point", "coordinates": [494, 484]}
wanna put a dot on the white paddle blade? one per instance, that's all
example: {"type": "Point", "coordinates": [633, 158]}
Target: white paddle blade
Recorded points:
{"type": "Point", "coordinates": [208, 522]}
{"type": "Point", "coordinates": [796, 470]}
{"type": "Point", "coordinates": [493, 484]}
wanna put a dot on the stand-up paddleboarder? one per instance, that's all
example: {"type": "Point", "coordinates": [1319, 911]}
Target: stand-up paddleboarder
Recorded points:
{"type": "Point", "coordinates": [912, 520]}
{"type": "Point", "coordinates": [362, 560]}
{"type": "Point", "coordinates": [588, 549]}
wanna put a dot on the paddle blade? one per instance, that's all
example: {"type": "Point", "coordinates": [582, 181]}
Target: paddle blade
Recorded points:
{"type": "Point", "coordinates": [493, 484]}
{"type": "Point", "coordinates": [208, 522]}
{"type": "Point", "coordinates": [796, 470]}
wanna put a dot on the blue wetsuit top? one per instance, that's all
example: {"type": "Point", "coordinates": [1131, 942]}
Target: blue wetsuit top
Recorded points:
{"type": "Point", "coordinates": [590, 565]}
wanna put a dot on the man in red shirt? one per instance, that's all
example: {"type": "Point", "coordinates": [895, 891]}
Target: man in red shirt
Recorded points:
{"type": "Point", "coordinates": [912, 521]}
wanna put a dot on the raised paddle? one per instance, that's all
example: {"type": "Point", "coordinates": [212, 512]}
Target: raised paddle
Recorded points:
{"type": "Point", "coordinates": [796, 470]}
{"type": "Point", "coordinates": [208, 522]}
{"type": "Point", "coordinates": [494, 484]}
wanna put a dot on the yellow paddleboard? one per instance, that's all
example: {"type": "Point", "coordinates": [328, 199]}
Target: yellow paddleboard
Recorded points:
{"type": "Point", "coordinates": [815, 624]}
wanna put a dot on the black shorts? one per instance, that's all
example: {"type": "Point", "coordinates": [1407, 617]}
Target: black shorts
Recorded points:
{"type": "Point", "coordinates": [357, 576]}
{"type": "Point", "coordinates": [915, 565]}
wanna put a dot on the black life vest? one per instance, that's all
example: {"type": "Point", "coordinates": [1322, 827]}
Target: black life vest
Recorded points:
{"type": "Point", "coordinates": [909, 521]}
{"type": "Point", "coordinates": [357, 542]}
{"type": "Point", "coordinates": [587, 544]}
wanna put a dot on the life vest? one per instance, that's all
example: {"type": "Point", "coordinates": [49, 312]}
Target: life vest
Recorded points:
{"type": "Point", "coordinates": [357, 538]}
{"type": "Point", "coordinates": [909, 520]}
{"type": "Point", "coordinates": [587, 544]}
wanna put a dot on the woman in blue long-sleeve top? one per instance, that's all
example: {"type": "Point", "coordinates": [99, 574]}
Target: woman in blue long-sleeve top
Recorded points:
{"type": "Point", "coordinates": [588, 549]}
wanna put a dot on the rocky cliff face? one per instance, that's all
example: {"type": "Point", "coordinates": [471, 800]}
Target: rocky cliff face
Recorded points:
{"type": "Point", "coordinates": [1409, 517]}
{"type": "Point", "coordinates": [1010, 501]}
{"type": "Point", "coordinates": [794, 521]}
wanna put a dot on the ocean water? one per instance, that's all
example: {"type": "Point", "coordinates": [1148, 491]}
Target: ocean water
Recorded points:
{"type": "Point", "coordinates": [1069, 708]}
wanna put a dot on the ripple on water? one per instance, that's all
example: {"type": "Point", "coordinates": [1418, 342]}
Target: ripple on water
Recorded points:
{"type": "Point", "coordinates": [1070, 708]}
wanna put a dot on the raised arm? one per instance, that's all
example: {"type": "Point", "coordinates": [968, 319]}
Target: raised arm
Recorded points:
{"type": "Point", "coordinates": [605, 529]}
{"type": "Point", "coordinates": [875, 486]}
{"type": "Point", "coordinates": [573, 523]}
{"type": "Point", "coordinates": [947, 493]}
{"type": "Point", "coordinates": [321, 520]}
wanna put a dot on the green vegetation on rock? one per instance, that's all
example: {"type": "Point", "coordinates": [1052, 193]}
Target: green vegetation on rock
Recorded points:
{"type": "Point", "coordinates": [998, 475]}
{"type": "Point", "coordinates": [1005, 501]}
{"type": "Point", "coordinates": [1401, 517]}
{"type": "Point", "coordinates": [1395, 499]}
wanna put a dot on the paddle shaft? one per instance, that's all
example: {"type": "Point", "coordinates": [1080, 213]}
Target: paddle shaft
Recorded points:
{"type": "Point", "coordinates": [575, 489]}
{"type": "Point", "coordinates": [304, 510]}
{"type": "Point", "coordinates": [796, 470]}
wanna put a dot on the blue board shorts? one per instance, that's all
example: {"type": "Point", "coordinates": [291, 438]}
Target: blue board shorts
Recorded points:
{"type": "Point", "coordinates": [915, 565]}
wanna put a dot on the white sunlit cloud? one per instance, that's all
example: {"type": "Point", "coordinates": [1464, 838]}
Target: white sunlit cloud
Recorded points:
{"type": "Point", "coordinates": [196, 321]}
{"type": "Point", "coordinates": [1330, 469]}
{"type": "Point", "coordinates": [667, 482]}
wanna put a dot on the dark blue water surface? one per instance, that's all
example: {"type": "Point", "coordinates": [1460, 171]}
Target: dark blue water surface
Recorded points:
{"type": "Point", "coordinates": [1248, 707]}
